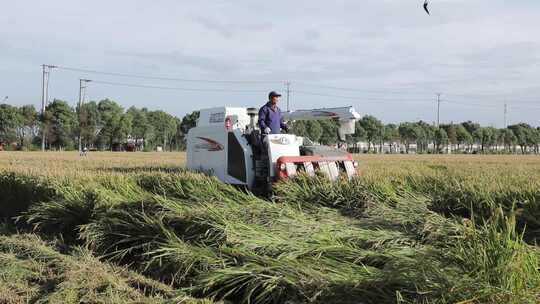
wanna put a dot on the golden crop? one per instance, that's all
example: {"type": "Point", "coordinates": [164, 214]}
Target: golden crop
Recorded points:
{"type": "Point", "coordinates": [411, 229]}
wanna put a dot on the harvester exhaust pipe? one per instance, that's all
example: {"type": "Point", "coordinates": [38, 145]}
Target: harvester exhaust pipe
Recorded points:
{"type": "Point", "coordinates": [252, 112]}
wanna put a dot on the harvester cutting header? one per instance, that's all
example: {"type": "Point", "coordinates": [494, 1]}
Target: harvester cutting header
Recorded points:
{"type": "Point", "coordinates": [245, 146]}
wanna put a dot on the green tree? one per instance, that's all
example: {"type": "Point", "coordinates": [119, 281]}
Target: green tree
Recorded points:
{"type": "Point", "coordinates": [61, 121]}
{"type": "Point", "coordinates": [373, 129]}
{"type": "Point", "coordinates": [359, 135]}
{"type": "Point", "coordinates": [485, 137]}
{"type": "Point", "coordinates": [89, 123]}
{"type": "Point", "coordinates": [522, 131]}
{"type": "Point", "coordinates": [535, 139]}
{"type": "Point", "coordinates": [538, 143]}
{"type": "Point", "coordinates": [10, 121]}
{"type": "Point", "coordinates": [425, 135]}
{"type": "Point", "coordinates": [478, 135]}
{"type": "Point", "coordinates": [492, 139]}
{"type": "Point", "coordinates": [470, 126]}
{"type": "Point", "coordinates": [182, 128]}
{"type": "Point", "coordinates": [124, 128]}
{"type": "Point", "coordinates": [141, 128]}
{"type": "Point", "coordinates": [441, 139]}
{"type": "Point", "coordinates": [509, 139]}
{"type": "Point", "coordinates": [329, 129]}
{"type": "Point", "coordinates": [451, 132]}
{"type": "Point", "coordinates": [189, 121]}
{"type": "Point", "coordinates": [29, 124]}
{"type": "Point", "coordinates": [299, 128]}
{"type": "Point", "coordinates": [178, 137]}
{"type": "Point", "coordinates": [463, 137]}
{"type": "Point", "coordinates": [390, 135]}
{"type": "Point", "coordinates": [314, 130]}
{"type": "Point", "coordinates": [164, 126]}
{"type": "Point", "coordinates": [409, 133]}
{"type": "Point", "coordinates": [111, 122]}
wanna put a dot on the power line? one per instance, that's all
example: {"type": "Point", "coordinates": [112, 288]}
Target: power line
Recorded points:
{"type": "Point", "coordinates": [393, 91]}
{"type": "Point", "coordinates": [412, 101]}
{"type": "Point", "coordinates": [311, 84]}
{"type": "Point", "coordinates": [403, 91]}
{"type": "Point", "coordinates": [321, 86]}
{"type": "Point", "coordinates": [491, 106]}
{"type": "Point", "coordinates": [357, 98]}
{"type": "Point", "coordinates": [497, 97]}
{"type": "Point", "coordinates": [469, 104]}
{"type": "Point", "coordinates": [143, 86]}
{"type": "Point", "coordinates": [398, 92]}
{"type": "Point", "coordinates": [364, 99]}
{"type": "Point", "coordinates": [408, 99]}
{"type": "Point", "coordinates": [164, 78]}
{"type": "Point", "coordinates": [522, 107]}
{"type": "Point", "coordinates": [375, 91]}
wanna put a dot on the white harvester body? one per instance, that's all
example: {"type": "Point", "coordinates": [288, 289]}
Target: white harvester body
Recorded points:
{"type": "Point", "coordinates": [226, 143]}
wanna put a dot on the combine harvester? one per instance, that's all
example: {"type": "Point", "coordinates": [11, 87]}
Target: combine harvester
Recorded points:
{"type": "Point", "coordinates": [228, 144]}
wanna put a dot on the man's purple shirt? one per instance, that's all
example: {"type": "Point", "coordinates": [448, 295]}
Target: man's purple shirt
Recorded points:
{"type": "Point", "coordinates": [271, 117]}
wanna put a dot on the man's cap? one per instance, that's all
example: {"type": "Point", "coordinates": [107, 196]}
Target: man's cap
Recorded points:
{"type": "Point", "coordinates": [273, 94]}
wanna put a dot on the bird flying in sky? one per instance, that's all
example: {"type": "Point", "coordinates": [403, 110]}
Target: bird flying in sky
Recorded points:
{"type": "Point", "coordinates": [426, 3]}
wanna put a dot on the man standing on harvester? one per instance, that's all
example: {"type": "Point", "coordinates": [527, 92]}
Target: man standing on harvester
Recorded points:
{"type": "Point", "coordinates": [270, 118]}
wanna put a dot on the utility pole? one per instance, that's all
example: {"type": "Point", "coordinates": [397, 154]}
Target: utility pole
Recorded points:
{"type": "Point", "coordinates": [44, 98]}
{"type": "Point", "coordinates": [505, 115]}
{"type": "Point", "coordinates": [438, 109]}
{"type": "Point", "coordinates": [82, 93]}
{"type": "Point", "coordinates": [288, 91]}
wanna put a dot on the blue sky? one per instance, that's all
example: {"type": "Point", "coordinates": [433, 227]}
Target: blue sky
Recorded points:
{"type": "Point", "coordinates": [385, 57]}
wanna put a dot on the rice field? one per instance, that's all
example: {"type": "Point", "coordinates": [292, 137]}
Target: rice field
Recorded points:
{"type": "Point", "coordinates": [138, 228]}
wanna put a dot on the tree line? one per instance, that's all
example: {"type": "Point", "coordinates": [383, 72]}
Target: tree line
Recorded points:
{"type": "Point", "coordinates": [466, 137]}
{"type": "Point", "coordinates": [105, 125]}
